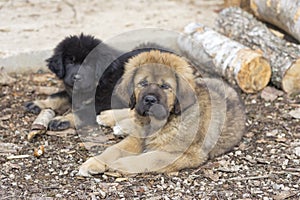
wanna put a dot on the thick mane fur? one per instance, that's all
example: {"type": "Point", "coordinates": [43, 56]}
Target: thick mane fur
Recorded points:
{"type": "Point", "coordinates": [179, 64]}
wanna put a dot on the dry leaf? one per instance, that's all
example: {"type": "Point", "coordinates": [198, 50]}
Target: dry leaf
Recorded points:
{"type": "Point", "coordinates": [284, 195]}
{"type": "Point", "coordinates": [113, 174]}
{"type": "Point", "coordinates": [297, 151]}
{"type": "Point", "coordinates": [63, 133]}
{"type": "Point", "coordinates": [295, 113]}
{"type": "Point", "coordinates": [5, 117]}
{"type": "Point", "coordinates": [39, 151]}
{"type": "Point", "coordinates": [270, 94]}
{"type": "Point", "coordinates": [121, 179]}
{"type": "Point", "coordinates": [210, 174]}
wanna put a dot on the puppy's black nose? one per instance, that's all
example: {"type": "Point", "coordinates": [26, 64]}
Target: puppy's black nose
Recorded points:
{"type": "Point", "coordinates": [150, 99]}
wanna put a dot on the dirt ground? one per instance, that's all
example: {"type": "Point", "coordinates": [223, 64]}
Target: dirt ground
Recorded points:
{"type": "Point", "coordinates": [265, 165]}
{"type": "Point", "coordinates": [35, 25]}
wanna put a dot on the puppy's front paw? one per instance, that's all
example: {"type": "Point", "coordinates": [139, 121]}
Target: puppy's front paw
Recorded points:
{"type": "Point", "coordinates": [106, 118]}
{"type": "Point", "coordinates": [91, 167]}
{"type": "Point", "coordinates": [32, 107]}
{"type": "Point", "coordinates": [59, 123]}
{"type": "Point", "coordinates": [118, 131]}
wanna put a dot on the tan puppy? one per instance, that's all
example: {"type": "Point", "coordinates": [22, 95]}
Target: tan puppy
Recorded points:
{"type": "Point", "coordinates": [176, 121]}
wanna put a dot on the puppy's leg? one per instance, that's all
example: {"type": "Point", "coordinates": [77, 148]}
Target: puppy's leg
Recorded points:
{"type": "Point", "coordinates": [111, 117]}
{"type": "Point", "coordinates": [158, 161]}
{"type": "Point", "coordinates": [60, 123]}
{"type": "Point", "coordinates": [154, 161]}
{"type": "Point", "coordinates": [98, 164]}
{"type": "Point", "coordinates": [56, 102]}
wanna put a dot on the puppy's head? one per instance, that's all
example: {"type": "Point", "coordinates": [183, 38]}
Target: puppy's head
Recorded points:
{"type": "Point", "coordinates": [157, 83]}
{"type": "Point", "coordinates": [69, 55]}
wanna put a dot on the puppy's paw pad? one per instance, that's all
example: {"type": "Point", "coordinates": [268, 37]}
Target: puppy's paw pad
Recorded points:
{"type": "Point", "coordinates": [32, 107]}
{"type": "Point", "coordinates": [58, 124]}
{"type": "Point", "coordinates": [84, 173]}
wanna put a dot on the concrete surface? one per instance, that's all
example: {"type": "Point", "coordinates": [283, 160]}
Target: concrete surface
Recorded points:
{"type": "Point", "coordinates": [30, 29]}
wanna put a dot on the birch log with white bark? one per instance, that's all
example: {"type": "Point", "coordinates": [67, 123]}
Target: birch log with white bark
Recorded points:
{"type": "Point", "coordinates": [231, 60]}
{"type": "Point", "coordinates": [284, 14]}
{"type": "Point", "coordinates": [283, 56]}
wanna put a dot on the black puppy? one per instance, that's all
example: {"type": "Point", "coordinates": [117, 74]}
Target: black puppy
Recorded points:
{"type": "Point", "coordinates": [68, 57]}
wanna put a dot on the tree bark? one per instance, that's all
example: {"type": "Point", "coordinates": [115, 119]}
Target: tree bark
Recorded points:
{"type": "Point", "coordinates": [283, 56]}
{"type": "Point", "coordinates": [284, 14]}
{"type": "Point", "coordinates": [214, 53]}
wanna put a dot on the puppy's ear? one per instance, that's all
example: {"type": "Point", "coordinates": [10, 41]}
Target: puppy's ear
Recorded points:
{"type": "Point", "coordinates": [185, 96]}
{"type": "Point", "coordinates": [124, 89]}
{"type": "Point", "coordinates": [132, 102]}
{"type": "Point", "coordinates": [55, 64]}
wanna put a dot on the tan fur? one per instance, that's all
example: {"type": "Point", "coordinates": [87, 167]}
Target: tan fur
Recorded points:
{"type": "Point", "coordinates": [176, 63]}
{"type": "Point", "coordinates": [172, 61]}
{"type": "Point", "coordinates": [57, 104]}
{"type": "Point", "coordinates": [210, 126]}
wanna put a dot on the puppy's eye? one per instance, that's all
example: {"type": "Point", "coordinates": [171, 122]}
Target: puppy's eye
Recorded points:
{"type": "Point", "coordinates": [165, 86]}
{"type": "Point", "coordinates": [143, 83]}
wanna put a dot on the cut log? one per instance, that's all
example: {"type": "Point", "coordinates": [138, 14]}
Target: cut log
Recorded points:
{"type": "Point", "coordinates": [214, 53]}
{"type": "Point", "coordinates": [284, 57]}
{"type": "Point", "coordinates": [284, 14]}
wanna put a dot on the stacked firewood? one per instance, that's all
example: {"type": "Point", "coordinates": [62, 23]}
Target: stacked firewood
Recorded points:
{"type": "Point", "coordinates": [244, 49]}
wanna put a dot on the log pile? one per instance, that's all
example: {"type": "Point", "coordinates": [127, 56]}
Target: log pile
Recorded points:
{"type": "Point", "coordinates": [230, 59]}
{"type": "Point", "coordinates": [283, 56]}
{"type": "Point", "coordinates": [237, 31]}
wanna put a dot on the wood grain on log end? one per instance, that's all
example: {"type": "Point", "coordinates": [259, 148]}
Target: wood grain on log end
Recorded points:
{"type": "Point", "coordinates": [291, 79]}
{"type": "Point", "coordinates": [255, 72]}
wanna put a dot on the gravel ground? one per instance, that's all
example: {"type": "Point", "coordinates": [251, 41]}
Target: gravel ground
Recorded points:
{"type": "Point", "coordinates": [264, 166]}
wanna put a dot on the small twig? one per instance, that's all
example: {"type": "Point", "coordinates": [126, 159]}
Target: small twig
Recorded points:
{"type": "Point", "coordinates": [292, 172]}
{"type": "Point", "coordinates": [18, 157]}
{"type": "Point", "coordinates": [249, 178]}
{"type": "Point", "coordinates": [292, 169]}
{"type": "Point", "coordinates": [285, 196]}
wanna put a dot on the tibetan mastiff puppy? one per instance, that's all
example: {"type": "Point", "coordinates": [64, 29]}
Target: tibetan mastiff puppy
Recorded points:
{"type": "Point", "coordinates": [66, 61]}
{"type": "Point", "coordinates": [175, 120]}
